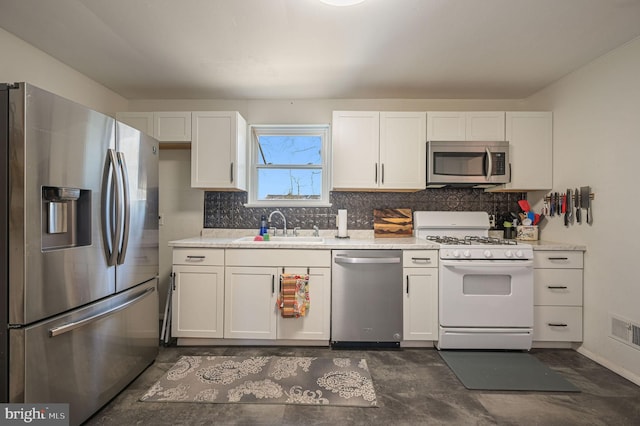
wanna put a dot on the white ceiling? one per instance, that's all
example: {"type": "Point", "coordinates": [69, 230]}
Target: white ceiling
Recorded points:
{"type": "Point", "coordinates": [296, 49]}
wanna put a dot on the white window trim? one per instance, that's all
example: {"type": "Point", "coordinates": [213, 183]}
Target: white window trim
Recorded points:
{"type": "Point", "coordinates": [252, 200]}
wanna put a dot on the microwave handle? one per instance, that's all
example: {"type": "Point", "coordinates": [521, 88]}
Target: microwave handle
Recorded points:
{"type": "Point", "coordinates": [489, 163]}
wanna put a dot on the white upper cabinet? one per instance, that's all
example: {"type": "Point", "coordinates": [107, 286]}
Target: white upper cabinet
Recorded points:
{"type": "Point", "coordinates": [218, 150]}
{"type": "Point", "coordinates": [165, 126]}
{"type": "Point", "coordinates": [530, 136]}
{"type": "Point", "coordinates": [446, 126]}
{"type": "Point", "coordinates": [142, 121]}
{"type": "Point", "coordinates": [466, 126]}
{"type": "Point", "coordinates": [485, 126]}
{"type": "Point", "coordinates": [172, 126]}
{"type": "Point", "coordinates": [378, 150]}
{"type": "Point", "coordinates": [355, 142]}
{"type": "Point", "coordinates": [403, 144]}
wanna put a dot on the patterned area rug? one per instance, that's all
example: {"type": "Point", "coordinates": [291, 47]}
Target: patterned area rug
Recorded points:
{"type": "Point", "coordinates": [266, 380]}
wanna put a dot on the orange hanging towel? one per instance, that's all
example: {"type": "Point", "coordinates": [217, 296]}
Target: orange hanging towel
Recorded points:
{"type": "Point", "coordinates": [294, 295]}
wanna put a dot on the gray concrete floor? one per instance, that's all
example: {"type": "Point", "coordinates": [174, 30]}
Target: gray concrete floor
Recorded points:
{"type": "Point", "coordinates": [413, 387]}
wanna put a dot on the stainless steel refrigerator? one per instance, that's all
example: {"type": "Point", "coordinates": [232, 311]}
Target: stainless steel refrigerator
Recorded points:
{"type": "Point", "coordinates": [78, 254]}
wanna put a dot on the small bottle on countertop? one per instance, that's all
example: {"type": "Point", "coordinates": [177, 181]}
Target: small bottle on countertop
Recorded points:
{"type": "Point", "coordinates": [263, 225]}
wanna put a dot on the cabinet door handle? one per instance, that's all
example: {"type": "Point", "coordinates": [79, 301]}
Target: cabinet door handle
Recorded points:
{"type": "Point", "coordinates": [375, 168]}
{"type": "Point", "coordinates": [556, 324]}
{"type": "Point", "coordinates": [557, 287]}
{"type": "Point", "coordinates": [382, 180]}
{"type": "Point", "coordinates": [231, 175]}
{"type": "Point", "coordinates": [273, 287]}
{"type": "Point", "coordinates": [407, 284]}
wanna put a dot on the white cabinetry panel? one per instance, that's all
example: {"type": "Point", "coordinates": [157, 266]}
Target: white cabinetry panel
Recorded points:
{"type": "Point", "coordinates": [420, 299]}
{"type": "Point", "coordinates": [466, 126]}
{"type": "Point", "coordinates": [558, 296]}
{"type": "Point", "coordinates": [165, 126]}
{"type": "Point", "coordinates": [379, 150]}
{"type": "Point", "coordinates": [218, 150]}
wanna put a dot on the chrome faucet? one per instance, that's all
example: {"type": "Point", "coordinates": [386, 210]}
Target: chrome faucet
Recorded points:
{"type": "Point", "coordinates": [316, 231]}
{"type": "Point", "coordinates": [284, 221]}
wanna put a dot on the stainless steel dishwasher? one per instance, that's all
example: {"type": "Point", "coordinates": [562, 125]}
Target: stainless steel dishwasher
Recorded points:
{"type": "Point", "coordinates": [366, 298]}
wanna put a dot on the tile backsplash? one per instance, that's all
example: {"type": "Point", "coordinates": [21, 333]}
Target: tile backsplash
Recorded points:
{"type": "Point", "coordinates": [227, 210]}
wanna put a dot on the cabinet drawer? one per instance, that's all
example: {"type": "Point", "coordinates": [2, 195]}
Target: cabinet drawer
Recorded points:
{"type": "Point", "coordinates": [198, 256]}
{"type": "Point", "coordinates": [420, 259]}
{"type": "Point", "coordinates": [278, 257]}
{"type": "Point", "coordinates": [557, 323]}
{"type": "Point", "coordinates": [557, 259]}
{"type": "Point", "coordinates": [557, 287]}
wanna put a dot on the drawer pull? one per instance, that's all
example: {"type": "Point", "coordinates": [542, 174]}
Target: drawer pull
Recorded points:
{"type": "Point", "coordinates": [557, 287]}
{"type": "Point", "coordinates": [195, 258]}
{"type": "Point", "coordinates": [421, 259]}
{"type": "Point", "coordinates": [556, 324]}
{"type": "Point", "coordinates": [407, 284]}
{"type": "Point", "coordinates": [558, 258]}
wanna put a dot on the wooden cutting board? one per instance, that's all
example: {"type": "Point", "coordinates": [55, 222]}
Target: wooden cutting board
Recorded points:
{"type": "Point", "coordinates": [390, 223]}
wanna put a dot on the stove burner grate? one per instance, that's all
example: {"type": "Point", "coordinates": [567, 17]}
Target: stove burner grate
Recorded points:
{"type": "Point", "coordinates": [469, 240]}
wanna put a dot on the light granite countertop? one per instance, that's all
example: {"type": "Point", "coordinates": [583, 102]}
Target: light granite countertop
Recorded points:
{"type": "Point", "coordinates": [214, 238]}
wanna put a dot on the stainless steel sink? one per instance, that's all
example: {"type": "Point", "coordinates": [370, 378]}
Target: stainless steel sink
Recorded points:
{"type": "Point", "coordinates": [287, 240]}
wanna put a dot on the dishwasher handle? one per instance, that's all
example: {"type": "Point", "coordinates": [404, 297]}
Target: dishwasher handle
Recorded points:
{"type": "Point", "coordinates": [365, 260]}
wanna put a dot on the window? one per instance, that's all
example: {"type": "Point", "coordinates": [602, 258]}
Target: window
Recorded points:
{"type": "Point", "coordinates": [289, 166]}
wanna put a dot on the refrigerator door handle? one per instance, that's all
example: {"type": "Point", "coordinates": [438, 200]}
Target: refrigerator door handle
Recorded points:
{"type": "Point", "coordinates": [65, 328]}
{"type": "Point", "coordinates": [110, 194]}
{"type": "Point", "coordinates": [127, 209]}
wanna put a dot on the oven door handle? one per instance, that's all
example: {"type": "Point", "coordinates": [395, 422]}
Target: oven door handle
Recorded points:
{"type": "Point", "coordinates": [483, 265]}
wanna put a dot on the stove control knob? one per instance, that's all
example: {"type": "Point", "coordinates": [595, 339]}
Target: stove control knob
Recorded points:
{"type": "Point", "coordinates": [466, 253]}
{"type": "Point", "coordinates": [519, 253]}
{"type": "Point", "coordinates": [455, 253]}
{"type": "Point", "coordinates": [508, 254]}
{"type": "Point", "coordinates": [487, 253]}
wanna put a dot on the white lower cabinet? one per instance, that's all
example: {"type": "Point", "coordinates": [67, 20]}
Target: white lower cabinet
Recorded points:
{"type": "Point", "coordinates": [198, 293]}
{"type": "Point", "coordinates": [250, 303]}
{"type": "Point", "coordinates": [252, 286]}
{"type": "Point", "coordinates": [557, 310]}
{"type": "Point", "coordinates": [420, 299]}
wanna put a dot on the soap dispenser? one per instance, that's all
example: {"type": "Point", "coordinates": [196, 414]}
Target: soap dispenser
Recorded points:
{"type": "Point", "coordinates": [263, 225]}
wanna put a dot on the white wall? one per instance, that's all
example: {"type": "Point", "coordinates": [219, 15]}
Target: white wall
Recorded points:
{"type": "Point", "coordinates": [314, 111]}
{"type": "Point", "coordinates": [23, 62]}
{"type": "Point", "coordinates": [596, 129]}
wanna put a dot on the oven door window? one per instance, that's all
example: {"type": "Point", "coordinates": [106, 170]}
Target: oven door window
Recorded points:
{"type": "Point", "coordinates": [489, 285]}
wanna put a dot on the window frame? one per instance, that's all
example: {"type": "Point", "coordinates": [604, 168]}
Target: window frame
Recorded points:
{"type": "Point", "coordinates": [322, 130]}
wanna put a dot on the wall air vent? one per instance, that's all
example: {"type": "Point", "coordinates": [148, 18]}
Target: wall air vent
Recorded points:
{"type": "Point", "coordinates": [625, 331]}
{"type": "Point", "coordinates": [635, 335]}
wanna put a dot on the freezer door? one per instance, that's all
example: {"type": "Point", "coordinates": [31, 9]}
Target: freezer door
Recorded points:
{"type": "Point", "coordinates": [137, 259]}
{"type": "Point", "coordinates": [86, 357]}
{"type": "Point", "coordinates": [56, 152]}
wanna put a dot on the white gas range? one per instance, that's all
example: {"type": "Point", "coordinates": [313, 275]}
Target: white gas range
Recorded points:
{"type": "Point", "coordinates": [485, 285]}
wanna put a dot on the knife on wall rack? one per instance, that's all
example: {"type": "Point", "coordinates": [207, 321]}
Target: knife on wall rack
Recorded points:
{"type": "Point", "coordinates": [578, 206]}
{"type": "Point", "coordinates": [585, 201]}
{"type": "Point", "coordinates": [568, 216]}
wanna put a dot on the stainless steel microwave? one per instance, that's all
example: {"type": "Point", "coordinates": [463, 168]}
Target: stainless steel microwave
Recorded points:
{"type": "Point", "coordinates": [467, 163]}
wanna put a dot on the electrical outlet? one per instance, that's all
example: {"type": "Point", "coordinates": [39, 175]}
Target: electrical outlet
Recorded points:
{"type": "Point", "coordinates": [492, 221]}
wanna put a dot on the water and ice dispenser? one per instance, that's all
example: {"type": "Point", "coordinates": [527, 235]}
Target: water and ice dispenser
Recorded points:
{"type": "Point", "coordinates": [66, 217]}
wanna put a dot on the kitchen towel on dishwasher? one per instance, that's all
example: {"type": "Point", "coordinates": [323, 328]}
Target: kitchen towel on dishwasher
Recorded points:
{"type": "Point", "coordinates": [294, 295]}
